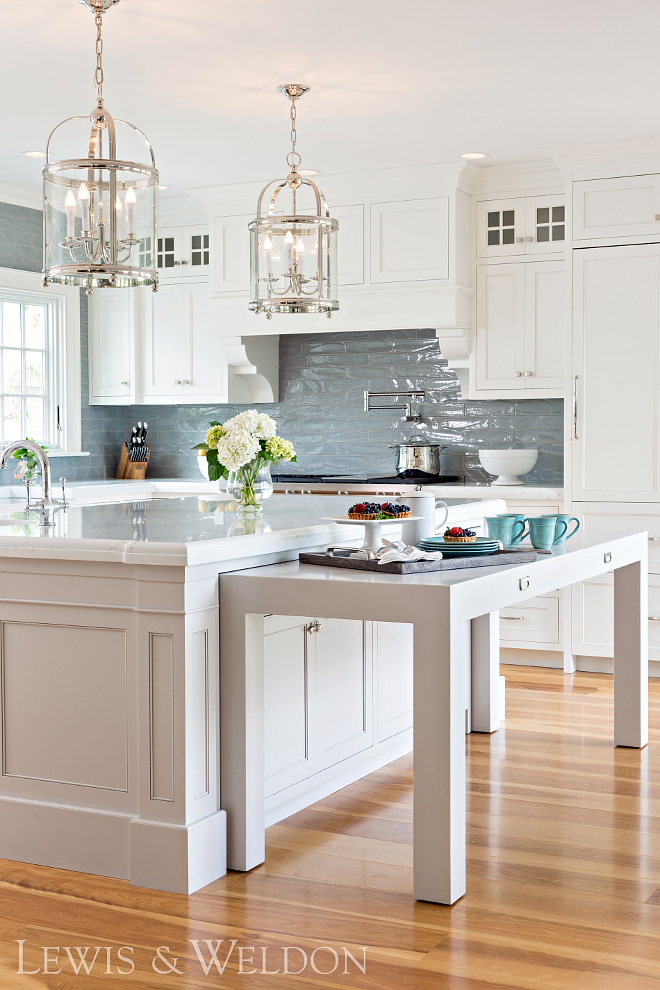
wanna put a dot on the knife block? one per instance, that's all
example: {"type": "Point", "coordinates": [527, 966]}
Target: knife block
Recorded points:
{"type": "Point", "coordinates": [132, 470]}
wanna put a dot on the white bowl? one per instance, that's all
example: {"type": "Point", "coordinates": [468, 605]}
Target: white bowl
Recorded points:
{"type": "Point", "coordinates": [508, 464]}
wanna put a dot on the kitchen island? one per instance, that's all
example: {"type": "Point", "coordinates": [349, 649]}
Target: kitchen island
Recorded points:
{"type": "Point", "coordinates": [110, 669]}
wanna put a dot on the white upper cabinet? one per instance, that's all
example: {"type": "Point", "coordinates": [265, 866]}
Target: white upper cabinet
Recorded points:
{"type": "Point", "coordinates": [520, 328]}
{"type": "Point", "coordinates": [112, 319]}
{"type": "Point", "coordinates": [616, 329]}
{"type": "Point", "coordinates": [526, 225]}
{"type": "Point", "coordinates": [613, 208]}
{"type": "Point", "coordinates": [410, 240]}
{"type": "Point", "coordinates": [182, 360]}
{"type": "Point", "coordinates": [350, 243]}
{"type": "Point", "coordinates": [183, 252]}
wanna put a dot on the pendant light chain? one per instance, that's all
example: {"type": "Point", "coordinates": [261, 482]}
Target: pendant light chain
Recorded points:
{"type": "Point", "coordinates": [293, 154]}
{"type": "Point", "coordinates": [98, 74]}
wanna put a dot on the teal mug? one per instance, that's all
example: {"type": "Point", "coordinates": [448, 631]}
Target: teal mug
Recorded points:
{"type": "Point", "coordinates": [564, 517]}
{"type": "Point", "coordinates": [505, 528]}
{"type": "Point", "coordinates": [545, 531]}
{"type": "Point", "coordinates": [516, 517]}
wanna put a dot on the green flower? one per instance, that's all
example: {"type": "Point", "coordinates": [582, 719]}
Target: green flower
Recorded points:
{"type": "Point", "coordinates": [279, 449]}
{"type": "Point", "coordinates": [213, 436]}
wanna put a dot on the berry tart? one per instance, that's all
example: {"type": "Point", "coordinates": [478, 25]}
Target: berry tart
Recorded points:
{"type": "Point", "coordinates": [375, 510]}
{"type": "Point", "coordinates": [458, 535]}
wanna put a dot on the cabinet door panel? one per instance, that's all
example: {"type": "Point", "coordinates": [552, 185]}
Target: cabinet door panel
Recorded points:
{"type": "Point", "coordinates": [535, 620]}
{"type": "Point", "coordinates": [169, 253]}
{"type": "Point", "coordinates": [350, 244]}
{"type": "Point", "coordinates": [111, 334]}
{"type": "Point", "coordinates": [394, 652]}
{"type": "Point", "coordinates": [343, 682]}
{"type": "Point", "coordinates": [623, 207]}
{"type": "Point", "coordinates": [162, 336]}
{"type": "Point", "coordinates": [231, 254]}
{"type": "Point", "coordinates": [500, 228]}
{"type": "Point", "coordinates": [615, 330]}
{"type": "Point", "coordinates": [286, 708]}
{"type": "Point", "coordinates": [544, 324]}
{"type": "Point", "coordinates": [500, 326]}
{"type": "Point", "coordinates": [195, 251]}
{"type": "Point", "coordinates": [410, 240]}
{"type": "Point", "coordinates": [208, 372]}
{"type": "Point", "coordinates": [545, 228]}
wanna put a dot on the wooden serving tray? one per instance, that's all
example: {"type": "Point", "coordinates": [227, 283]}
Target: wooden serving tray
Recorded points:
{"type": "Point", "coordinates": [419, 566]}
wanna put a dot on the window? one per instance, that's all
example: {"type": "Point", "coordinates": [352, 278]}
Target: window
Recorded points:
{"type": "Point", "coordinates": [501, 231]}
{"type": "Point", "coordinates": [39, 362]}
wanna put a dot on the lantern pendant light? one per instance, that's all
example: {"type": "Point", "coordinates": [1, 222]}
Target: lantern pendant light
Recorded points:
{"type": "Point", "coordinates": [100, 212]}
{"type": "Point", "coordinates": [293, 247]}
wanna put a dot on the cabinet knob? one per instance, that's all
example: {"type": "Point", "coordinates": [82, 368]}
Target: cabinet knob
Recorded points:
{"type": "Point", "coordinates": [518, 374]}
{"type": "Point", "coordinates": [177, 262]}
{"type": "Point", "coordinates": [314, 627]}
{"type": "Point", "coordinates": [529, 374]}
{"type": "Point", "coordinates": [529, 238]}
{"type": "Point", "coordinates": [124, 383]}
{"type": "Point", "coordinates": [177, 381]}
{"type": "Point", "coordinates": [519, 240]}
{"type": "Point", "coordinates": [657, 216]}
{"type": "Point", "coordinates": [185, 382]}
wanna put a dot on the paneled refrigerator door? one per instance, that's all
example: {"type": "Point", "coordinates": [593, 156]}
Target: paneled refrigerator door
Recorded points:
{"type": "Point", "coordinates": [616, 375]}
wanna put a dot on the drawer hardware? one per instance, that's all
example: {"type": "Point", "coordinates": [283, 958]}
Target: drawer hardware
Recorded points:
{"type": "Point", "coordinates": [654, 618]}
{"type": "Point", "coordinates": [529, 374]}
{"type": "Point", "coordinates": [512, 618]}
{"type": "Point", "coordinates": [314, 627]}
{"type": "Point", "coordinates": [607, 558]}
{"type": "Point", "coordinates": [654, 539]}
{"type": "Point", "coordinates": [657, 216]}
{"type": "Point", "coordinates": [523, 583]}
{"type": "Point", "coordinates": [519, 240]}
{"type": "Point", "coordinates": [519, 374]}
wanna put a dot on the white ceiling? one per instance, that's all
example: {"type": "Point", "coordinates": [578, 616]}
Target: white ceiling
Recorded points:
{"type": "Point", "coordinates": [393, 83]}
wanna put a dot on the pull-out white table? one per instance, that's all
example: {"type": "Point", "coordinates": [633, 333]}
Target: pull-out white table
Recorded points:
{"type": "Point", "coordinates": [452, 613]}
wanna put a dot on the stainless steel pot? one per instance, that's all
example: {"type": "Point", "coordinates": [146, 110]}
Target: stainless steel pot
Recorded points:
{"type": "Point", "coordinates": [417, 458]}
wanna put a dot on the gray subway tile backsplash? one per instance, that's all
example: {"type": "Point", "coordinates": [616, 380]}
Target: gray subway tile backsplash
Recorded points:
{"type": "Point", "coordinates": [328, 372]}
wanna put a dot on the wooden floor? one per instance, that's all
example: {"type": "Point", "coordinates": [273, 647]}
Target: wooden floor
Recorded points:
{"type": "Point", "coordinates": [563, 877]}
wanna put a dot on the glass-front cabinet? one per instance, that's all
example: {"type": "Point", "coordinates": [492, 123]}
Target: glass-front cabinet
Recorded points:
{"type": "Point", "coordinates": [183, 253]}
{"type": "Point", "coordinates": [521, 226]}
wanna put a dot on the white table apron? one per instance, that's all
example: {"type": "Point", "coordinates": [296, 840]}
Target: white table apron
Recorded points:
{"type": "Point", "coordinates": [453, 614]}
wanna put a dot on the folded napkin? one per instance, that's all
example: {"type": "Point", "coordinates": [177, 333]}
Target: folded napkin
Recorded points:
{"type": "Point", "coordinates": [397, 551]}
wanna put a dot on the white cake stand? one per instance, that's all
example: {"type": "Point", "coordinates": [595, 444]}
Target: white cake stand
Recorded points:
{"type": "Point", "coordinates": [372, 535]}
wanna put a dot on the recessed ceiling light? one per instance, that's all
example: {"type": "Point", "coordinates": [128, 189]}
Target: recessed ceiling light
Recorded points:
{"type": "Point", "coordinates": [34, 154]}
{"type": "Point", "coordinates": [163, 187]}
{"type": "Point", "coordinates": [474, 154]}
{"type": "Point", "coordinates": [308, 171]}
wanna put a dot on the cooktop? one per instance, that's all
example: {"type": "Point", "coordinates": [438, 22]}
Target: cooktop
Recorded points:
{"type": "Point", "coordinates": [312, 479]}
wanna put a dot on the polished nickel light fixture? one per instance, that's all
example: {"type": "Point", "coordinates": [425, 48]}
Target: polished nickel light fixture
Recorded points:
{"type": "Point", "coordinates": [100, 212]}
{"type": "Point", "coordinates": [293, 247]}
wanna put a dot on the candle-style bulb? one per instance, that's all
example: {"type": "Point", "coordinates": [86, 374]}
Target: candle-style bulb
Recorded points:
{"type": "Point", "coordinates": [83, 194]}
{"type": "Point", "coordinates": [118, 207]}
{"type": "Point", "coordinates": [268, 244]}
{"type": "Point", "coordinates": [70, 202]}
{"type": "Point", "coordinates": [288, 240]}
{"type": "Point", "coordinates": [130, 198]}
{"type": "Point", "coordinates": [300, 247]}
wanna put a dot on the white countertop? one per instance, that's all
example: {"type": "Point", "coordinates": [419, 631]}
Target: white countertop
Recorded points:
{"type": "Point", "coordinates": [182, 523]}
{"type": "Point", "coordinates": [509, 492]}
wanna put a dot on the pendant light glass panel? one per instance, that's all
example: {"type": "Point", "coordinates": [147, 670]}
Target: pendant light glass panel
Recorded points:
{"type": "Point", "coordinates": [100, 223]}
{"type": "Point", "coordinates": [294, 260]}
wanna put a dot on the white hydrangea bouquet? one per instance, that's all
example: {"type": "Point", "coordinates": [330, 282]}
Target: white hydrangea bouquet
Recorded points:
{"type": "Point", "coordinates": [242, 450]}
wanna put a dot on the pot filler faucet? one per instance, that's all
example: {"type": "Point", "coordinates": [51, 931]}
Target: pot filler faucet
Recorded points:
{"type": "Point", "coordinates": [415, 394]}
{"type": "Point", "coordinates": [46, 504]}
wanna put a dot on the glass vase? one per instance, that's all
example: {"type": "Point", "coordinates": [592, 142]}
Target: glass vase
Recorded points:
{"type": "Point", "coordinates": [250, 486]}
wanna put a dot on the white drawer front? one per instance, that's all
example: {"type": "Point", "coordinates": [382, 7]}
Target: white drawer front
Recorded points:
{"type": "Point", "coordinates": [594, 617]}
{"type": "Point", "coordinates": [604, 525]}
{"type": "Point", "coordinates": [535, 621]}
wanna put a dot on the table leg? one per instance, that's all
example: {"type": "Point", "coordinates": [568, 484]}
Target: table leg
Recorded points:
{"type": "Point", "coordinates": [631, 655]}
{"type": "Point", "coordinates": [441, 651]}
{"type": "Point", "coordinates": [486, 672]}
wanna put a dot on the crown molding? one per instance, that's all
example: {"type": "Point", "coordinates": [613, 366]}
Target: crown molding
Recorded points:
{"type": "Point", "coordinates": [629, 154]}
{"type": "Point", "coordinates": [408, 182]}
{"type": "Point", "coordinates": [19, 196]}
{"type": "Point", "coordinates": [524, 178]}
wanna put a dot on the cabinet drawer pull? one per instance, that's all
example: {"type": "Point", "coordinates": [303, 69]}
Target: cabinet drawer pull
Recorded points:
{"type": "Point", "coordinates": [529, 374]}
{"type": "Point", "coordinates": [654, 539]}
{"type": "Point", "coordinates": [185, 382]}
{"type": "Point", "coordinates": [575, 408]}
{"type": "Point", "coordinates": [519, 374]}
{"type": "Point", "coordinates": [654, 618]}
{"type": "Point", "coordinates": [177, 381]}
{"type": "Point", "coordinates": [512, 618]}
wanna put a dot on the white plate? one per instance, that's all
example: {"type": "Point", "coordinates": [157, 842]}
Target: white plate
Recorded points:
{"type": "Point", "coordinates": [345, 521]}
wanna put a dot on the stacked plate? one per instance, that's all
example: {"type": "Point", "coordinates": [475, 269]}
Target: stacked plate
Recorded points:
{"type": "Point", "coordinates": [482, 546]}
